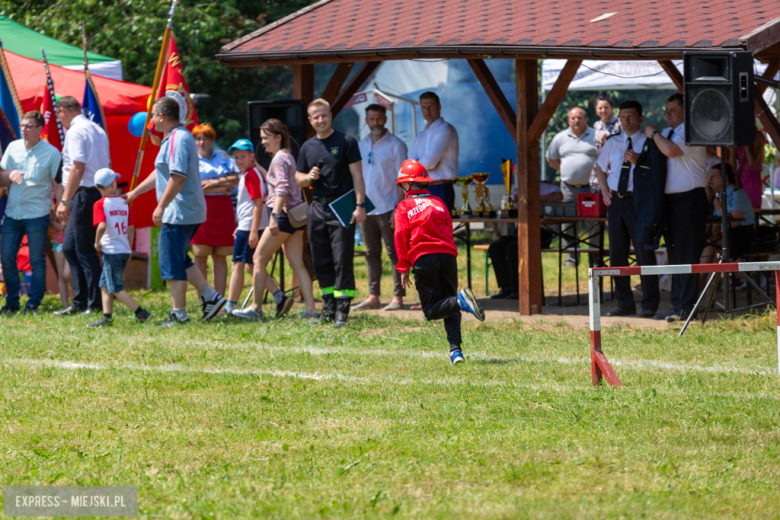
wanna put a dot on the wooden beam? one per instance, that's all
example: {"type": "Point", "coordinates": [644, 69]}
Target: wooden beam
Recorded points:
{"type": "Point", "coordinates": [554, 98]}
{"type": "Point", "coordinates": [771, 69]}
{"type": "Point", "coordinates": [303, 83]}
{"type": "Point", "coordinates": [497, 97]}
{"type": "Point", "coordinates": [337, 81]}
{"type": "Point", "coordinates": [763, 37]}
{"type": "Point", "coordinates": [352, 85]}
{"type": "Point", "coordinates": [768, 119]}
{"type": "Point", "coordinates": [529, 251]}
{"type": "Point", "coordinates": [673, 73]}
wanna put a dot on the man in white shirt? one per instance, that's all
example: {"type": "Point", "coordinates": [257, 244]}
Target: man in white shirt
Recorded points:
{"type": "Point", "coordinates": [436, 148]}
{"type": "Point", "coordinates": [686, 204]}
{"type": "Point", "coordinates": [84, 152]}
{"type": "Point", "coordinates": [382, 153]}
{"type": "Point", "coordinates": [619, 157]}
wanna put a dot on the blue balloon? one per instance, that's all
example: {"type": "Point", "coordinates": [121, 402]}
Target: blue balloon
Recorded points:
{"type": "Point", "coordinates": [136, 124]}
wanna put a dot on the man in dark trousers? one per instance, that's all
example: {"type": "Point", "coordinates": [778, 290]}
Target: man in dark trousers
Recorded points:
{"type": "Point", "coordinates": [332, 245]}
{"type": "Point", "coordinates": [84, 152]}
{"type": "Point", "coordinates": [619, 157]}
{"type": "Point", "coordinates": [686, 205]}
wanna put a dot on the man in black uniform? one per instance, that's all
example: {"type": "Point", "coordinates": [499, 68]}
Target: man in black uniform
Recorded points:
{"type": "Point", "coordinates": [332, 245]}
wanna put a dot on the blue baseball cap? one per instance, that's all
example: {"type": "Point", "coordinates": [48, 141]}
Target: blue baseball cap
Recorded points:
{"type": "Point", "coordinates": [104, 177]}
{"type": "Point", "coordinates": [242, 144]}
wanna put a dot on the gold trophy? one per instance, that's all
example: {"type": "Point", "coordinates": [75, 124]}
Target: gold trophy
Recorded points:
{"type": "Point", "coordinates": [484, 208]}
{"type": "Point", "coordinates": [465, 182]}
{"type": "Point", "coordinates": [508, 206]}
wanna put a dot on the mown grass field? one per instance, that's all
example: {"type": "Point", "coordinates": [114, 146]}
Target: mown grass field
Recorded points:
{"type": "Point", "coordinates": [280, 419]}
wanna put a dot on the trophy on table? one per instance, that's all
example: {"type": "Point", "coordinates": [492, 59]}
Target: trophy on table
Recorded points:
{"type": "Point", "coordinates": [465, 210]}
{"type": "Point", "coordinates": [484, 208]}
{"type": "Point", "coordinates": [508, 206]}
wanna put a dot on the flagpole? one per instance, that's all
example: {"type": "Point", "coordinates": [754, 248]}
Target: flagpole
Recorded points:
{"type": "Point", "coordinates": [50, 87]}
{"type": "Point", "coordinates": [88, 77]}
{"type": "Point", "coordinates": [10, 82]}
{"type": "Point", "coordinates": [155, 85]}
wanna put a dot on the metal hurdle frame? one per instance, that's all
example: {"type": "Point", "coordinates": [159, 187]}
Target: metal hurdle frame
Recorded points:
{"type": "Point", "coordinates": [600, 367]}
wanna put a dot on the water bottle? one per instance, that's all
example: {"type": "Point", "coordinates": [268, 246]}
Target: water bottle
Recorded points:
{"type": "Point", "coordinates": [358, 236]}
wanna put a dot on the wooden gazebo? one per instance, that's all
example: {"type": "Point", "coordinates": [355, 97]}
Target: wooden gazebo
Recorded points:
{"type": "Point", "coordinates": [371, 31]}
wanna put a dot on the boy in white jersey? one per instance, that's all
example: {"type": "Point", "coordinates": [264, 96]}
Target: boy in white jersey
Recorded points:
{"type": "Point", "coordinates": [252, 218]}
{"type": "Point", "coordinates": [111, 216]}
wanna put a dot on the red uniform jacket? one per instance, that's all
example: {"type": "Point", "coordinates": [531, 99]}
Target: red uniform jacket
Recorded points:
{"type": "Point", "coordinates": [423, 226]}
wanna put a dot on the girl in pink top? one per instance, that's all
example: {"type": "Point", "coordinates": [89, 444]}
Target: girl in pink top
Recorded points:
{"type": "Point", "coordinates": [747, 162]}
{"type": "Point", "coordinates": [283, 195]}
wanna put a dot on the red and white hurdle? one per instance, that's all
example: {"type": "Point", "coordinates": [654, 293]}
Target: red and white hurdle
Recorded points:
{"type": "Point", "coordinates": [599, 364]}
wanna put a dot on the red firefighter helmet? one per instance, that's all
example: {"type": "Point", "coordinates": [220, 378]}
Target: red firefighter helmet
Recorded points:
{"type": "Point", "coordinates": [412, 171]}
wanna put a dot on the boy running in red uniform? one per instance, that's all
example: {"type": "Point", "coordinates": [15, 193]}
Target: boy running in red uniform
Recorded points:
{"type": "Point", "coordinates": [424, 242]}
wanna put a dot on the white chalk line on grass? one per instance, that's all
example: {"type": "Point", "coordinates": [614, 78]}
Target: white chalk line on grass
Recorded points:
{"type": "Point", "coordinates": [640, 364]}
{"type": "Point", "coordinates": [316, 376]}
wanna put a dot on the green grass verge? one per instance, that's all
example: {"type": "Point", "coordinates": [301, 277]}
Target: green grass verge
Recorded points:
{"type": "Point", "coordinates": [284, 420]}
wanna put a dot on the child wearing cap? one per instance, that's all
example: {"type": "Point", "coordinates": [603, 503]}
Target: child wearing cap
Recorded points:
{"type": "Point", "coordinates": [114, 235]}
{"type": "Point", "coordinates": [424, 243]}
{"type": "Point", "coordinates": [252, 217]}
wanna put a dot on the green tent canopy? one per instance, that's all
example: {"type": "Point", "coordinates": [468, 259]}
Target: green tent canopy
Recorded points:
{"type": "Point", "coordinates": [25, 42]}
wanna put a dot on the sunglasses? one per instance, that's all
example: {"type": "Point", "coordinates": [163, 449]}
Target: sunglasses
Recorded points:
{"type": "Point", "coordinates": [370, 157]}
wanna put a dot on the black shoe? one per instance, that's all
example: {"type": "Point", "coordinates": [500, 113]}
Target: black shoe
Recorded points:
{"type": "Point", "coordinates": [647, 313]}
{"type": "Point", "coordinates": [623, 311]}
{"type": "Point", "coordinates": [70, 310]}
{"type": "Point", "coordinates": [674, 316]}
{"type": "Point", "coordinates": [502, 294]}
{"type": "Point", "coordinates": [172, 320]}
{"type": "Point", "coordinates": [328, 313]}
{"type": "Point", "coordinates": [513, 296]}
{"type": "Point", "coordinates": [8, 310]}
{"type": "Point", "coordinates": [342, 312]}
{"type": "Point", "coordinates": [213, 306]}
{"type": "Point", "coordinates": [102, 322]}
{"type": "Point", "coordinates": [663, 316]}
{"type": "Point", "coordinates": [284, 306]}
{"type": "Point", "coordinates": [684, 315]}
{"type": "Point", "coordinates": [143, 316]}
{"type": "Point", "coordinates": [30, 310]}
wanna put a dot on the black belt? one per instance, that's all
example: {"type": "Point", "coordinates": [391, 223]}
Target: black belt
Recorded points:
{"type": "Point", "coordinates": [326, 200]}
{"type": "Point", "coordinates": [683, 194]}
{"type": "Point", "coordinates": [627, 194]}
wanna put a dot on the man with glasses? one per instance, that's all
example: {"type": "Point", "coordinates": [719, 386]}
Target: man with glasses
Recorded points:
{"type": "Point", "coordinates": [383, 153]}
{"type": "Point", "coordinates": [615, 169]}
{"type": "Point", "coordinates": [29, 165]}
{"type": "Point", "coordinates": [84, 152]}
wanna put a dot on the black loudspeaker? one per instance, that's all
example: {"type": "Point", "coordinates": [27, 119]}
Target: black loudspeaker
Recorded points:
{"type": "Point", "coordinates": [719, 104]}
{"type": "Point", "coordinates": [291, 112]}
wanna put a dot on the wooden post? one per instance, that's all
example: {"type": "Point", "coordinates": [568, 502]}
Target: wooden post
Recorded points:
{"type": "Point", "coordinates": [529, 254]}
{"type": "Point", "coordinates": [303, 83]}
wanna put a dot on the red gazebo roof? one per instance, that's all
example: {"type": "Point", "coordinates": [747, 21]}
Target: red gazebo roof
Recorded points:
{"type": "Point", "coordinates": [344, 30]}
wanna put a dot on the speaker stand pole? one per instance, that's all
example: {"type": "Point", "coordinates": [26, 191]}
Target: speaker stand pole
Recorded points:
{"type": "Point", "coordinates": [725, 227]}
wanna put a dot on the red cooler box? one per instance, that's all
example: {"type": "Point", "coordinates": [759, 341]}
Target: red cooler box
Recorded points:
{"type": "Point", "coordinates": [591, 205]}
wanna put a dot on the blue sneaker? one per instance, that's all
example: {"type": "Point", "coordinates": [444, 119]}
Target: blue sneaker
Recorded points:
{"type": "Point", "coordinates": [456, 356]}
{"type": "Point", "coordinates": [468, 303]}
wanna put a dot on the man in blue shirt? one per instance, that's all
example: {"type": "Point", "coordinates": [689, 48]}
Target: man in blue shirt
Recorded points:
{"type": "Point", "coordinates": [181, 208]}
{"type": "Point", "coordinates": [29, 165]}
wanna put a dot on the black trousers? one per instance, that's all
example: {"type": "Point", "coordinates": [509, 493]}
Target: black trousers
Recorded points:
{"type": "Point", "coordinates": [621, 216]}
{"type": "Point", "coordinates": [332, 250]}
{"type": "Point", "coordinates": [686, 218]}
{"type": "Point", "coordinates": [79, 249]}
{"type": "Point", "coordinates": [436, 280]}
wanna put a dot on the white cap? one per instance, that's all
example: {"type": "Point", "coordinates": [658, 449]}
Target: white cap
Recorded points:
{"type": "Point", "coordinates": [104, 177]}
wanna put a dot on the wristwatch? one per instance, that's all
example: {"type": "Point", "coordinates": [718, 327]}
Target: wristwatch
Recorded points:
{"type": "Point", "coordinates": [274, 215]}
{"type": "Point", "coordinates": [653, 134]}
{"type": "Point", "coordinates": [65, 202]}
{"type": "Point", "coordinates": [719, 195]}
{"type": "Point", "coordinates": [361, 205]}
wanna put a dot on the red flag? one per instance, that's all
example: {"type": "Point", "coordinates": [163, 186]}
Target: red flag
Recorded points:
{"type": "Point", "coordinates": [173, 84]}
{"type": "Point", "coordinates": [50, 131]}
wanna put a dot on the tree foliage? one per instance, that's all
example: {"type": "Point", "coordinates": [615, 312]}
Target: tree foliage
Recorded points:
{"type": "Point", "coordinates": [131, 30]}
